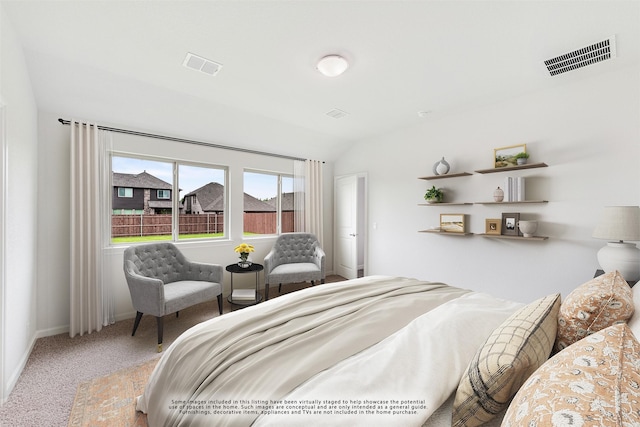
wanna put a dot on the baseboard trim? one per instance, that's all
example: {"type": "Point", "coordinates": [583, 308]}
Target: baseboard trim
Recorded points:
{"type": "Point", "coordinates": [13, 379]}
{"type": "Point", "coordinates": [42, 333]}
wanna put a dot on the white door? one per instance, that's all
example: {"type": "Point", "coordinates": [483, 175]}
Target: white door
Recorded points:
{"type": "Point", "coordinates": [346, 226]}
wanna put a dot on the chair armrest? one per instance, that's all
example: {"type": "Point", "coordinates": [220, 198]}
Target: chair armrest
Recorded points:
{"type": "Point", "coordinates": [269, 263]}
{"type": "Point", "coordinates": [203, 271]}
{"type": "Point", "coordinates": [147, 293]}
{"type": "Point", "coordinates": [318, 259]}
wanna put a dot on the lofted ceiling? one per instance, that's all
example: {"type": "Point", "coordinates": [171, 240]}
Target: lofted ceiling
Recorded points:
{"type": "Point", "coordinates": [120, 62]}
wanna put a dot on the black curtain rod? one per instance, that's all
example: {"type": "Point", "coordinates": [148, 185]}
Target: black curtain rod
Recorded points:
{"type": "Point", "coordinates": [188, 141]}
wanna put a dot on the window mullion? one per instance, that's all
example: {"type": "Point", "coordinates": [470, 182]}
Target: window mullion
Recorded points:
{"type": "Point", "coordinates": [175, 204]}
{"type": "Point", "coordinates": [279, 205]}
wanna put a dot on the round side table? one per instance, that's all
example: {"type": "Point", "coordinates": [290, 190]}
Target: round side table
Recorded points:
{"type": "Point", "coordinates": [244, 296]}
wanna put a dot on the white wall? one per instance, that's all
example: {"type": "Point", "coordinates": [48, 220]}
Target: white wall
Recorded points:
{"type": "Point", "coordinates": [587, 131]}
{"type": "Point", "coordinates": [53, 268]}
{"type": "Point", "coordinates": [18, 309]}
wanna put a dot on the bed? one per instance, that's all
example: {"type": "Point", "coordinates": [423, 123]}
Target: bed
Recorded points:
{"type": "Point", "coordinates": [372, 351]}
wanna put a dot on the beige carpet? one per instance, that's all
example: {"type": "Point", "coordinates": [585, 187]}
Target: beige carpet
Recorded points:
{"type": "Point", "coordinates": [109, 400]}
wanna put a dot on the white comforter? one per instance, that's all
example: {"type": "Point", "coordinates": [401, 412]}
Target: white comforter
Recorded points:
{"type": "Point", "coordinates": [370, 351]}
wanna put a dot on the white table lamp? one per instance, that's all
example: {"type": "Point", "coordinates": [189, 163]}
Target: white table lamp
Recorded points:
{"type": "Point", "coordinates": [617, 224]}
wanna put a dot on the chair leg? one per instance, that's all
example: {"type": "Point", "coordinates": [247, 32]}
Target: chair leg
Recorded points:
{"type": "Point", "coordinates": [313, 283]}
{"type": "Point", "coordinates": [160, 323]}
{"type": "Point", "coordinates": [220, 304]}
{"type": "Point", "coordinates": [322, 281]}
{"type": "Point", "coordinates": [177, 313]}
{"type": "Point", "coordinates": [266, 291]}
{"type": "Point", "coordinates": [136, 323]}
{"type": "Point", "coordinates": [279, 287]}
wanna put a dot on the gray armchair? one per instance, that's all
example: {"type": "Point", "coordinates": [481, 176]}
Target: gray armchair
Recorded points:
{"type": "Point", "coordinates": [294, 258]}
{"type": "Point", "coordinates": [162, 281]}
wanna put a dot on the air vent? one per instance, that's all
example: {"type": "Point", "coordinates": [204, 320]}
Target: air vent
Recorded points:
{"type": "Point", "coordinates": [337, 114]}
{"type": "Point", "coordinates": [597, 52]}
{"type": "Point", "coordinates": [199, 63]}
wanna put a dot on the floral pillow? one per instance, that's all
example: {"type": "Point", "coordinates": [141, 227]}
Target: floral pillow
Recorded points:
{"type": "Point", "coordinates": [594, 382]}
{"type": "Point", "coordinates": [593, 306]}
{"type": "Point", "coordinates": [634, 322]}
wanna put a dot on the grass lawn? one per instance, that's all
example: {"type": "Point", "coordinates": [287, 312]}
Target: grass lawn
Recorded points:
{"type": "Point", "coordinates": [137, 239]}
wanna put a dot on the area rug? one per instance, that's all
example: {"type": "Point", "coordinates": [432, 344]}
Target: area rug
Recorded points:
{"type": "Point", "coordinates": [111, 400]}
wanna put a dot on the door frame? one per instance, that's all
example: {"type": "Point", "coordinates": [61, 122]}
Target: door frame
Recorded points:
{"type": "Point", "coordinates": [4, 170]}
{"type": "Point", "coordinates": [362, 218]}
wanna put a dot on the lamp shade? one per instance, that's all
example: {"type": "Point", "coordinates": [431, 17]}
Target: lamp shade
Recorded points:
{"type": "Point", "coordinates": [619, 223]}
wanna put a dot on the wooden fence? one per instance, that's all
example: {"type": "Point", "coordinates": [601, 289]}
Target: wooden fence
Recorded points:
{"type": "Point", "coordinates": [160, 225]}
{"type": "Point", "coordinates": [266, 222]}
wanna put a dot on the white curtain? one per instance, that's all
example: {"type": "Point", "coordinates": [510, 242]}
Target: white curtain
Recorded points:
{"type": "Point", "coordinates": [298, 195]}
{"type": "Point", "coordinates": [91, 299]}
{"type": "Point", "coordinates": [307, 185]}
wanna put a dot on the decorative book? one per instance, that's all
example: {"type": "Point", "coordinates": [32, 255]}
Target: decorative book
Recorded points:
{"type": "Point", "coordinates": [243, 294]}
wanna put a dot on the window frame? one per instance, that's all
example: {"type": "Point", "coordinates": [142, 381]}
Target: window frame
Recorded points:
{"type": "Point", "coordinates": [124, 196]}
{"type": "Point", "coordinates": [176, 202]}
{"type": "Point", "coordinates": [174, 237]}
{"type": "Point", "coordinates": [279, 176]}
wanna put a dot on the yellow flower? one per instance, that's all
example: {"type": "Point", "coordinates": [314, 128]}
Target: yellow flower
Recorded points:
{"type": "Point", "coordinates": [244, 248]}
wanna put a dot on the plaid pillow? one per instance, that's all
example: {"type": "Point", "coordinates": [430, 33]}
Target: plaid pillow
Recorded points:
{"type": "Point", "coordinates": [509, 356]}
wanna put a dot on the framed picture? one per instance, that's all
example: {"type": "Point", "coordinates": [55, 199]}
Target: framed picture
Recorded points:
{"type": "Point", "coordinates": [510, 224]}
{"type": "Point", "coordinates": [493, 226]}
{"type": "Point", "coordinates": [452, 223]}
{"type": "Point", "coordinates": [506, 156]}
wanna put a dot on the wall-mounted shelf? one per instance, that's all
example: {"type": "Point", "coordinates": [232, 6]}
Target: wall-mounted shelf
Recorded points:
{"type": "Point", "coordinates": [448, 233]}
{"type": "Point", "coordinates": [511, 203]}
{"type": "Point", "coordinates": [485, 171]}
{"type": "Point", "coordinates": [452, 175]}
{"type": "Point", "coordinates": [491, 236]}
{"type": "Point", "coordinates": [513, 168]}
{"type": "Point", "coordinates": [501, 236]}
{"type": "Point", "coordinates": [482, 203]}
{"type": "Point", "coordinates": [445, 204]}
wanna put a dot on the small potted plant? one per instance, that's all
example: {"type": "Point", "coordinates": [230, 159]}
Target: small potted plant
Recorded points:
{"type": "Point", "coordinates": [434, 195]}
{"type": "Point", "coordinates": [244, 250]}
{"type": "Point", "coordinates": [521, 158]}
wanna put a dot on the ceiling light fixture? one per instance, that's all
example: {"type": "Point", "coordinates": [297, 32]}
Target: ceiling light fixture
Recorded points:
{"type": "Point", "coordinates": [332, 65]}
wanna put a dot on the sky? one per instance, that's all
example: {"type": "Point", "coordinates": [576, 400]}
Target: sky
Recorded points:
{"type": "Point", "coordinates": [261, 186]}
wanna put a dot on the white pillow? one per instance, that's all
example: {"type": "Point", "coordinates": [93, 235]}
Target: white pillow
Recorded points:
{"type": "Point", "coordinates": [634, 322]}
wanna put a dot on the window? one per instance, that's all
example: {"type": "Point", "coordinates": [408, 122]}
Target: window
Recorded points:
{"type": "Point", "coordinates": [287, 222]}
{"type": "Point", "coordinates": [145, 210]}
{"type": "Point", "coordinates": [125, 192]}
{"type": "Point", "coordinates": [268, 203]}
{"type": "Point", "coordinates": [204, 201]}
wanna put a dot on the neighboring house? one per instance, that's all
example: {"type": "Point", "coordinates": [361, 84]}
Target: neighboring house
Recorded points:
{"type": "Point", "coordinates": [207, 199]}
{"type": "Point", "coordinates": [210, 199]}
{"type": "Point", "coordinates": [253, 205]}
{"type": "Point", "coordinates": [140, 193]}
{"type": "Point", "coordinates": [287, 202]}
{"type": "Point", "coordinates": [287, 206]}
